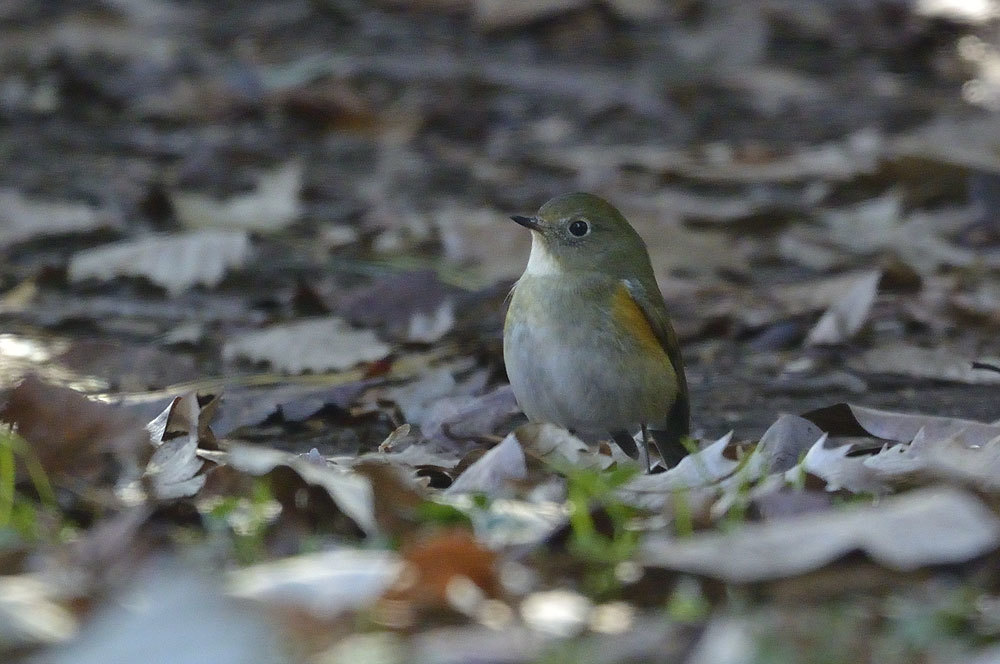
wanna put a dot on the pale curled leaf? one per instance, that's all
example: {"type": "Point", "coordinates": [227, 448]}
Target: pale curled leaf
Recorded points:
{"type": "Point", "coordinates": [30, 613]}
{"type": "Point", "coordinates": [848, 314]}
{"type": "Point", "coordinates": [507, 522]}
{"type": "Point", "coordinates": [273, 205]}
{"type": "Point", "coordinates": [866, 227]}
{"type": "Point", "coordinates": [814, 294]}
{"type": "Point", "coordinates": [428, 328]}
{"type": "Point", "coordinates": [967, 143]}
{"type": "Point", "coordinates": [181, 416]}
{"type": "Point", "coordinates": [955, 459]}
{"type": "Point", "coordinates": [877, 473]}
{"type": "Point", "coordinates": [175, 262]}
{"type": "Point", "coordinates": [157, 427]}
{"type": "Point", "coordinates": [172, 471]}
{"type": "Point", "coordinates": [838, 470]}
{"type": "Point", "coordinates": [416, 398]}
{"type": "Point", "coordinates": [494, 470]}
{"type": "Point", "coordinates": [351, 492]}
{"type": "Point", "coordinates": [903, 460]}
{"type": "Point", "coordinates": [936, 526]}
{"type": "Point", "coordinates": [706, 466]}
{"type": "Point", "coordinates": [400, 433]}
{"type": "Point", "coordinates": [315, 345]}
{"type": "Point", "coordinates": [22, 218]}
{"type": "Point", "coordinates": [559, 447]}
{"type": "Point", "coordinates": [323, 584]}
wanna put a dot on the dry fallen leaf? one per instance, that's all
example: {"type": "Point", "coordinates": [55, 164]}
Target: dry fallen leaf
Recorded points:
{"type": "Point", "coordinates": [459, 417]}
{"type": "Point", "coordinates": [184, 617]}
{"type": "Point", "coordinates": [273, 205]}
{"type": "Point", "coordinates": [955, 459]}
{"type": "Point", "coordinates": [939, 363]}
{"type": "Point", "coordinates": [318, 344]}
{"type": "Point", "coordinates": [22, 218]}
{"type": "Point", "coordinates": [559, 448]}
{"type": "Point", "coordinates": [784, 443]}
{"type": "Point", "coordinates": [175, 262]}
{"type": "Point", "coordinates": [494, 470]}
{"type": "Point", "coordinates": [397, 496]}
{"type": "Point", "coordinates": [31, 614]}
{"type": "Point", "coordinates": [71, 435]}
{"type": "Point", "coordinates": [844, 419]}
{"type": "Point", "coordinates": [966, 143]}
{"type": "Point", "coordinates": [838, 470]}
{"type": "Point", "coordinates": [848, 314]}
{"type": "Point", "coordinates": [936, 526]}
{"type": "Point", "coordinates": [351, 492]}
{"type": "Point", "coordinates": [438, 565]}
{"type": "Point", "coordinates": [247, 406]}
{"type": "Point", "coordinates": [172, 471]}
{"type": "Point", "coordinates": [324, 584]}
{"type": "Point", "coordinates": [413, 306]}
{"type": "Point", "coordinates": [705, 467]}
{"type": "Point", "coordinates": [780, 449]}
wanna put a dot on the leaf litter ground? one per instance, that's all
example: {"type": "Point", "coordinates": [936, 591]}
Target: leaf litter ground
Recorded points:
{"type": "Point", "coordinates": [252, 298]}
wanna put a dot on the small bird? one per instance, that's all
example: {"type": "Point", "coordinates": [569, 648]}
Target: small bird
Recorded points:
{"type": "Point", "coordinates": [587, 341]}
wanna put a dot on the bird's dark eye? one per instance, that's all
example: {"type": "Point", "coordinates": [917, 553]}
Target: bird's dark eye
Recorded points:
{"type": "Point", "coordinates": [579, 228]}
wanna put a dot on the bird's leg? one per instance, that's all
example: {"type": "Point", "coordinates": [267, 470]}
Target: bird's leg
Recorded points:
{"type": "Point", "coordinates": [626, 441]}
{"type": "Point", "coordinates": [645, 448]}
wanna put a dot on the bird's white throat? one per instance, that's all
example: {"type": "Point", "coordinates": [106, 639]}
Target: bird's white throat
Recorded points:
{"type": "Point", "coordinates": [540, 261]}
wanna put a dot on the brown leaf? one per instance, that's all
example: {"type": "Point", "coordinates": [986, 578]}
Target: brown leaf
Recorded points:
{"type": "Point", "coordinates": [434, 564]}
{"type": "Point", "coordinates": [396, 499]}
{"type": "Point", "coordinates": [71, 435]}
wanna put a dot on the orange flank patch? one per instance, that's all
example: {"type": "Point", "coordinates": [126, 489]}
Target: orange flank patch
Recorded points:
{"type": "Point", "coordinates": [629, 315]}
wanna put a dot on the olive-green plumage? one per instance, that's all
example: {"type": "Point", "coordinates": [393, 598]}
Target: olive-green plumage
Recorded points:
{"type": "Point", "coordinates": [587, 341]}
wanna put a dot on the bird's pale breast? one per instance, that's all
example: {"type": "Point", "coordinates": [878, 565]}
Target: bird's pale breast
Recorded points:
{"type": "Point", "coordinates": [584, 356]}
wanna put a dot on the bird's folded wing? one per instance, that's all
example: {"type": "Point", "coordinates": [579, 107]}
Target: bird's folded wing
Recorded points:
{"type": "Point", "coordinates": [652, 307]}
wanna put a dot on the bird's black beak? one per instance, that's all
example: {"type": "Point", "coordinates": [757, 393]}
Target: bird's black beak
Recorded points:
{"type": "Point", "coordinates": [527, 222]}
